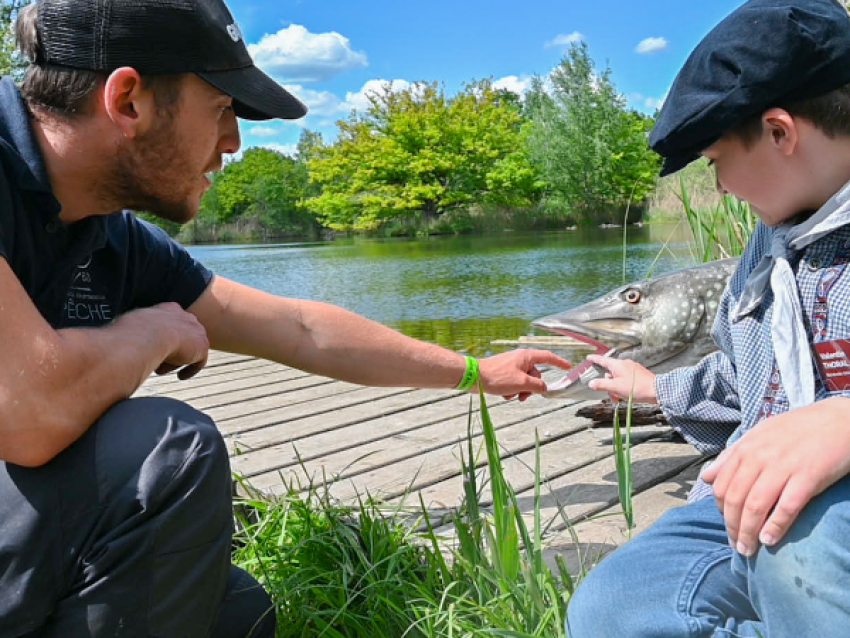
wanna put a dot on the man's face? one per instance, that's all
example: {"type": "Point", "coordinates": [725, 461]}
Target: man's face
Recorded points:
{"type": "Point", "coordinates": [164, 170]}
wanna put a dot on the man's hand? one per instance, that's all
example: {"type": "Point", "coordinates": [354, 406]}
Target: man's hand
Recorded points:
{"type": "Point", "coordinates": [625, 378]}
{"type": "Point", "coordinates": [764, 480]}
{"type": "Point", "coordinates": [187, 344]}
{"type": "Point", "coordinates": [515, 373]}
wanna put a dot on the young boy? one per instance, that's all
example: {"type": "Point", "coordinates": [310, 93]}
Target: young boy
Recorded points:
{"type": "Point", "coordinates": [765, 97]}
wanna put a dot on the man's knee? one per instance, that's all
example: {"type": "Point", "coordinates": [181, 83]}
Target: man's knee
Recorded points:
{"type": "Point", "coordinates": [247, 609]}
{"type": "Point", "coordinates": [170, 460]}
{"type": "Point", "coordinates": [159, 440]}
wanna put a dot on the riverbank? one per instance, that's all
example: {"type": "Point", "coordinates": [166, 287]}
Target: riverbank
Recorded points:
{"type": "Point", "coordinates": [663, 206]}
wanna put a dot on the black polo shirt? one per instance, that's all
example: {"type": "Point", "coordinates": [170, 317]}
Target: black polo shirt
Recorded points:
{"type": "Point", "coordinates": [89, 272]}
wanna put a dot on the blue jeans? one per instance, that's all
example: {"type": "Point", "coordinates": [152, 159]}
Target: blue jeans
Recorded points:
{"type": "Point", "coordinates": [681, 579]}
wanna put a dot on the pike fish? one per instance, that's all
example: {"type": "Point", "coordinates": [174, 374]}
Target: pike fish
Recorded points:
{"type": "Point", "coordinates": [662, 323]}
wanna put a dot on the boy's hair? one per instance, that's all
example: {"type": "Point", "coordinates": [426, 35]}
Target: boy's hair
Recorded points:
{"type": "Point", "coordinates": [830, 113]}
{"type": "Point", "coordinates": [66, 92]}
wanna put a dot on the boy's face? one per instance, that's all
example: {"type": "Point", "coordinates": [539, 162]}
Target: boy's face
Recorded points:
{"type": "Point", "coordinates": [761, 173]}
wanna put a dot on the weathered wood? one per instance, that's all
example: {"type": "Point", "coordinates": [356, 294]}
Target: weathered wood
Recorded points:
{"type": "Point", "coordinates": [387, 465]}
{"type": "Point", "coordinates": [577, 488]}
{"type": "Point", "coordinates": [386, 441]}
{"type": "Point", "coordinates": [292, 403]}
{"type": "Point", "coordinates": [205, 377]}
{"type": "Point", "coordinates": [601, 534]}
{"type": "Point", "coordinates": [236, 390]}
{"type": "Point", "coordinates": [602, 413]}
{"type": "Point", "coordinates": [542, 341]}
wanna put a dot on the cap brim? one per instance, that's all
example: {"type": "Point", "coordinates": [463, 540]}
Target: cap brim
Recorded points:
{"type": "Point", "coordinates": [676, 163]}
{"type": "Point", "coordinates": [255, 95]}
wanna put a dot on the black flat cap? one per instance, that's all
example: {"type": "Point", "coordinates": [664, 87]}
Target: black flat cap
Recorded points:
{"type": "Point", "coordinates": [763, 54]}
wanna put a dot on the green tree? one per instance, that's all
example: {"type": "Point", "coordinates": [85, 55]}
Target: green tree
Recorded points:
{"type": "Point", "coordinates": [265, 186]}
{"type": "Point", "coordinates": [586, 144]}
{"type": "Point", "coordinates": [11, 62]}
{"type": "Point", "coordinates": [417, 153]}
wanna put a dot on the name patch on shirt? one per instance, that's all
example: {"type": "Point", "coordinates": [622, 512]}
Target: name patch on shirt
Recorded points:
{"type": "Point", "coordinates": [833, 359]}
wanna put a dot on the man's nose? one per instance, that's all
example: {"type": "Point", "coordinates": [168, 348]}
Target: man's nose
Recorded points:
{"type": "Point", "coordinates": [230, 140]}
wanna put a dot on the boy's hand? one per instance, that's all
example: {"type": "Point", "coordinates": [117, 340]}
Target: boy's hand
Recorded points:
{"type": "Point", "coordinates": [765, 479]}
{"type": "Point", "coordinates": [625, 377]}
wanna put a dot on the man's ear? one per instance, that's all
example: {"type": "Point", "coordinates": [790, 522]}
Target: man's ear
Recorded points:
{"type": "Point", "coordinates": [129, 105]}
{"type": "Point", "coordinates": [782, 129]}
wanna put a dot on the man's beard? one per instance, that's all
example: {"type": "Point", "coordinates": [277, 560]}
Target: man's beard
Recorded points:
{"type": "Point", "coordinates": [151, 174]}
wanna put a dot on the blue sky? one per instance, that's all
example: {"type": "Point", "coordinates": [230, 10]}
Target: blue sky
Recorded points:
{"type": "Point", "coordinates": [331, 52]}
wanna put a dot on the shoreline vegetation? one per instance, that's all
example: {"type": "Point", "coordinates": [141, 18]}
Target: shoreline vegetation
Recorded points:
{"type": "Point", "coordinates": [419, 162]}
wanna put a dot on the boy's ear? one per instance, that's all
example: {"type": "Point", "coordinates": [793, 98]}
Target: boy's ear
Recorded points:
{"type": "Point", "coordinates": [781, 127]}
{"type": "Point", "coordinates": [129, 105]}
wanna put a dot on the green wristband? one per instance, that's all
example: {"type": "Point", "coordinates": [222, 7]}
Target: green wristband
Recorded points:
{"type": "Point", "coordinates": [470, 376]}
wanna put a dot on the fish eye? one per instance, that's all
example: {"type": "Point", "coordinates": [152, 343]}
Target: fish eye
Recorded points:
{"type": "Point", "coordinates": [633, 295]}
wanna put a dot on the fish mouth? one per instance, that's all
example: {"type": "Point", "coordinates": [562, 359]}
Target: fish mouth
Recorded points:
{"type": "Point", "coordinates": [602, 334]}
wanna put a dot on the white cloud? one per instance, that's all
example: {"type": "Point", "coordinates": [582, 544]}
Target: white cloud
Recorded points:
{"type": "Point", "coordinates": [653, 103]}
{"type": "Point", "coordinates": [318, 102]}
{"type": "Point", "coordinates": [263, 131]}
{"type": "Point", "coordinates": [645, 102]}
{"type": "Point", "coordinates": [294, 55]}
{"type": "Point", "coordinates": [651, 45]}
{"type": "Point", "coordinates": [329, 105]}
{"type": "Point", "coordinates": [518, 85]}
{"type": "Point", "coordinates": [360, 100]}
{"type": "Point", "coordinates": [286, 149]}
{"type": "Point", "coordinates": [563, 40]}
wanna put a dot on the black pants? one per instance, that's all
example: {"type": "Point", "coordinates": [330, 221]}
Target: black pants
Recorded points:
{"type": "Point", "coordinates": [127, 533]}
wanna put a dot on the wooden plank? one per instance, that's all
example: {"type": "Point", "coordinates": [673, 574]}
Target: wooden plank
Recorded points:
{"type": "Point", "coordinates": [242, 396]}
{"type": "Point", "coordinates": [600, 535]}
{"type": "Point", "coordinates": [578, 493]}
{"type": "Point", "coordinates": [263, 449]}
{"type": "Point", "coordinates": [233, 390]}
{"type": "Point", "coordinates": [278, 409]}
{"type": "Point", "coordinates": [210, 377]}
{"type": "Point", "coordinates": [563, 436]}
{"type": "Point", "coordinates": [400, 446]}
{"type": "Point", "coordinates": [217, 358]}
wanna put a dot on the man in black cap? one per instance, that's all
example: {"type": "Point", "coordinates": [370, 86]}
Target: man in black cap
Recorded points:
{"type": "Point", "coordinates": [766, 98]}
{"type": "Point", "coordinates": [115, 513]}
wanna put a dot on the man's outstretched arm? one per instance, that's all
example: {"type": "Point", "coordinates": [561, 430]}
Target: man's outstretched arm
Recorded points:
{"type": "Point", "coordinates": [328, 340]}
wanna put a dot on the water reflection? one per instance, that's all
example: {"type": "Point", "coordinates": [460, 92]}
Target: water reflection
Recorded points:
{"type": "Point", "coordinates": [461, 292]}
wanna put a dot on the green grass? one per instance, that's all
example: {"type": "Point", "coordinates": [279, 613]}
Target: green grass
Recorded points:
{"type": "Point", "coordinates": [363, 571]}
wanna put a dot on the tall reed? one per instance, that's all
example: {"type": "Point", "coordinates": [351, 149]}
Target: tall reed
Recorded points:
{"type": "Point", "coordinates": [719, 231]}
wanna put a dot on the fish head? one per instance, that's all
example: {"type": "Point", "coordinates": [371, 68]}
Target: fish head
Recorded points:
{"type": "Point", "coordinates": [662, 323]}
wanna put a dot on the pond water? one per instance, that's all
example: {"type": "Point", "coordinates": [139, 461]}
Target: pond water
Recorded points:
{"type": "Point", "coordinates": [460, 292]}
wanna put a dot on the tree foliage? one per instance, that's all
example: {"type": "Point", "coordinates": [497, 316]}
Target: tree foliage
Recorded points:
{"type": "Point", "coordinates": [416, 152]}
{"type": "Point", "coordinates": [266, 186]}
{"type": "Point", "coordinates": [11, 62]}
{"type": "Point", "coordinates": [587, 145]}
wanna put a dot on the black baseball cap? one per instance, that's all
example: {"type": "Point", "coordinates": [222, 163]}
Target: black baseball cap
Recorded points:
{"type": "Point", "coordinates": [766, 53]}
{"type": "Point", "coordinates": [163, 37]}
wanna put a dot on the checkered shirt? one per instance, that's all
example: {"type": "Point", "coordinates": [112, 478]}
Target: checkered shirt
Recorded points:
{"type": "Point", "coordinates": [714, 402]}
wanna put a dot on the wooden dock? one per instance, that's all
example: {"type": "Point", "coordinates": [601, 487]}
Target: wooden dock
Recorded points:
{"type": "Point", "coordinates": [283, 425]}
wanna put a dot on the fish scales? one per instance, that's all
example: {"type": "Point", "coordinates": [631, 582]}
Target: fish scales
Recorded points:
{"type": "Point", "coordinates": [662, 323]}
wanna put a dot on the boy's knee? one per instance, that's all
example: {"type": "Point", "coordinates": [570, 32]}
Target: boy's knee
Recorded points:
{"type": "Point", "coordinates": [813, 553]}
{"type": "Point", "coordinates": [590, 613]}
